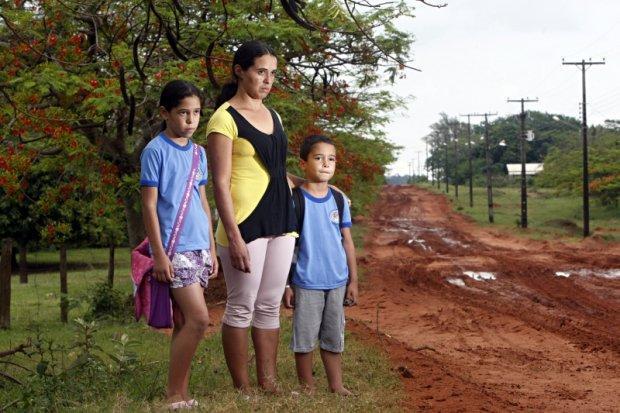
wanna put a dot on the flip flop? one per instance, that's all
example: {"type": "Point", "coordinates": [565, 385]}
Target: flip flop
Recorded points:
{"type": "Point", "coordinates": [191, 403]}
{"type": "Point", "coordinates": [178, 405]}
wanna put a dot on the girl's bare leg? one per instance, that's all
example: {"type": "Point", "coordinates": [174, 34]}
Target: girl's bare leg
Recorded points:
{"type": "Point", "coordinates": [185, 338]}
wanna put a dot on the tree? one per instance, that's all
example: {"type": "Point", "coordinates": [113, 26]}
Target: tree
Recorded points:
{"type": "Point", "coordinates": [89, 74]}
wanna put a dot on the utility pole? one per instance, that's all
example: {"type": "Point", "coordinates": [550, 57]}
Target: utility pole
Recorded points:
{"type": "Point", "coordinates": [487, 153]}
{"type": "Point", "coordinates": [471, 169]}
{"type": "Point", "coordinates": [584, 134]}
{"type": "Point", "coordinates": [522, 142]}
{"type": "Point", "coordinates": [426, 160]}
{"type": "Point", "coordinates": [456, 160]}
{"type": "Point", "coordinates": [419, 165]}
{"type": "Point", "coordinates": [445, 163]}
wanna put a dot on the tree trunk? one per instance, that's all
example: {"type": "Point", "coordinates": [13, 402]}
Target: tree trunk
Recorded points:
{"type": "Point", "coordinates": [135, 227]}
{"type": "Point", "coordinates": [23, 264]}
{"type": "Point", "coordinates": [64, 299]}
{"type": "Point", "coordinates": [111, 266]}
{"type": "Point", "coordinates": [5, 283]}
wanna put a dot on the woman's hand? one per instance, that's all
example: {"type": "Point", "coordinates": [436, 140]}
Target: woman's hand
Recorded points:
{"type": "Point", "coordinates": [162, 269]}
{"type": "Point", "coordinates": [239, 255]}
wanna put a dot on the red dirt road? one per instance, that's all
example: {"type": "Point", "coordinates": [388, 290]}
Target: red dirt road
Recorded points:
{"type": "Point", "coordinates": [526, 340]}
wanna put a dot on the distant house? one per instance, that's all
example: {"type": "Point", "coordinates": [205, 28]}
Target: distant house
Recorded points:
{"type": "Point", "coordinates": [530, 168]}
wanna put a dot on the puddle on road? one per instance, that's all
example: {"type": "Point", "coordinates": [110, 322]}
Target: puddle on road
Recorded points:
{"type": "Point", "coordinates": [612, 274]}
{"type": "Point", "coordinates": [456, 281]}
{"type": "Point", "coordinates": [480, 275]}
{"type": "Point", "coordinates": [416, 233]}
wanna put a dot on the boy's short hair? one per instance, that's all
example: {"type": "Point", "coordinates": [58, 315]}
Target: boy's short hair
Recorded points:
{"type": "Point", "coordinates": [309, 142]}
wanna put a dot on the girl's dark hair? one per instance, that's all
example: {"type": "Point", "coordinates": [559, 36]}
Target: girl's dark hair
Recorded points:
{"type": "Point", "coordinates": [244, 57]}
{"type": "Point", "coordinates": [174, 92]}
{"type": "Point", "coordinates": [309, 142]}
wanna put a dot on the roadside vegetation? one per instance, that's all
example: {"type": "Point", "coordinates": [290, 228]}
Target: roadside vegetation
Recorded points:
{"type": "Point", "coordinates": [104, 361]}
{"type": "Point", "coordinates": [550, 214]}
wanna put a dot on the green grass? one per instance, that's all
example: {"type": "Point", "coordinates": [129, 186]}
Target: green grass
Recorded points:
{"type": "Point", "coordinates": [549, 214]}
{"type": "Point", "coordinates": [35, 308]}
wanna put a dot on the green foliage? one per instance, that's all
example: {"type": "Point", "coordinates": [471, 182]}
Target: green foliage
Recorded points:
{"type": "Point", "coordinates": [107, 302]}
{"type": "Point", "coordinates": [113, 365]}
{"type": "Point", "coordinates": [564, 168]}
{"type": "Point", "coordinates": [80, 82]}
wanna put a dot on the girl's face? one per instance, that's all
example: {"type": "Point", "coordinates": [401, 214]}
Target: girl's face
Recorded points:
{"type": "Point", "coordinates": [257, 80]}
{"type": "Point", "coordinates": [182, 120]}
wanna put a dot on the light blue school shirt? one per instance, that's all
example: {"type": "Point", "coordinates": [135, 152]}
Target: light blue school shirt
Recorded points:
{"type": "Point", "coordinates": [166, 166]}
{"type": "Point", "coordinates": [321, 260]}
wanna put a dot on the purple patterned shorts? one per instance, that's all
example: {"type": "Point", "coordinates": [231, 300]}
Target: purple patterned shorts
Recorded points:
{"type": "Point", "coordinates": [191, 267]}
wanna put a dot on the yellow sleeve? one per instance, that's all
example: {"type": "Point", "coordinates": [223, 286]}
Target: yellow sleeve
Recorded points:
{"type": "Point", "coordinates": [222, 122]}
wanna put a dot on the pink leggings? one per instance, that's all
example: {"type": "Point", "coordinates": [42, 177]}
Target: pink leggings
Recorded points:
{"type": "Point", "coordinates": [254, 298]}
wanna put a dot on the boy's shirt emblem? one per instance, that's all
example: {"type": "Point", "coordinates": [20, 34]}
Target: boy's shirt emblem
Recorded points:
{"type": "Point", "coordinates": [198, 176]}
{"type": "Point", "coordinates": [333, 217]}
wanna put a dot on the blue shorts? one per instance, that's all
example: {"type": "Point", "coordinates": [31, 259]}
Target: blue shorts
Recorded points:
{"type": "Point", "coordinates": [318, 316]}
{"type": "Point", "coordinates": [191, 267]}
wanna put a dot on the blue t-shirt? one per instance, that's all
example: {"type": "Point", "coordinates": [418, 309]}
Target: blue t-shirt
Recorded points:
{"type": "Point", "coordinates": [321, 260]}
{"type": "Point", "coordinates": [166, 166]}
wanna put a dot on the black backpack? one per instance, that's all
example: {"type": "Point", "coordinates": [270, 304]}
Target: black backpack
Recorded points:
{"type": "Point", "coordinates": [300, 208]}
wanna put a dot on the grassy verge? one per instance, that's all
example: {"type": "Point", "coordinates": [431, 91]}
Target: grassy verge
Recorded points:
{"type": "Point", "coordinates": [137, 383]}
{"type": "Point", "coordinates": [549, 214]}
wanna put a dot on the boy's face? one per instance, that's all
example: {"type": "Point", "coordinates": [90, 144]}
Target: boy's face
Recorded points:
{"type": "Point", "coordinates": [321, 163]}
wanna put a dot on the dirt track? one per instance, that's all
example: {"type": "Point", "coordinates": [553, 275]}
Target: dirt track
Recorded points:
{"type": "Point", "coordinates": [526, 340]}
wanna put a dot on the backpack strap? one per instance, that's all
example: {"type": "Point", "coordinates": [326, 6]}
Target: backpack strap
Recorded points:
{"type": "Point", "coordinates": [339, 198]}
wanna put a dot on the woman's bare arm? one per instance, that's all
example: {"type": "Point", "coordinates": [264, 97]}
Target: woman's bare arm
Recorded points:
{"type": "Point", "coordinates": [219, 152]}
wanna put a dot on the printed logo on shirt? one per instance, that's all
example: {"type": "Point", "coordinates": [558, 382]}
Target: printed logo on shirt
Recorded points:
{"type": "Point", "coordinates": [333, 216]}
{"type": "Point", "coordinates": [198, 176]}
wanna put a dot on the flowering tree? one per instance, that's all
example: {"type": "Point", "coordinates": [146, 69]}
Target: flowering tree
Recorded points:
{"type": "Point", "coordinates": [79, 84]}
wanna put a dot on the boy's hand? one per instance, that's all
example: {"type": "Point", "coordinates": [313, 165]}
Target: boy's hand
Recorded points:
{"type": "Point", "coordinates": [289, 298]}
{"type": "Point", "coordinates": [351, 294]}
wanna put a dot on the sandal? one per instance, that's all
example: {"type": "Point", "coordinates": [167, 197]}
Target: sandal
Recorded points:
{"type": "Point", "coordinates": [191, 403]}
{"type": "Point", "coordinates": [178, 405]}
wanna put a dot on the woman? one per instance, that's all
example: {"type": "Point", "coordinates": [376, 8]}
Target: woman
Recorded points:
{"type": "Point", "coordinates": [247, 150]}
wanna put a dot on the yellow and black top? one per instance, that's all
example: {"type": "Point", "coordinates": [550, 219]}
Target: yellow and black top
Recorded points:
{"type": "Point", "coordinates": [260, 194]}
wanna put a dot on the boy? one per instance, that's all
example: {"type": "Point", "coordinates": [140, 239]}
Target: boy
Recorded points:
{"type": "Point", "coordinates": [325, 276]}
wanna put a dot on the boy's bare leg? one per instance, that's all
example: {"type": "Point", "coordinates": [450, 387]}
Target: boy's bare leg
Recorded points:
{"type": "Point", "coordinates": [235, 343]}
{"type": "Point", "coordinates": [303, 363]}
{"type": "Point", "coordinates": [333, 370]}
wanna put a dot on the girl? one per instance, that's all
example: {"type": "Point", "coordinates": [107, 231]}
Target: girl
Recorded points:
{"type": "Point", "coordinates": [165, 166]}
{"type": "Point", "coordinates": [247, 150]}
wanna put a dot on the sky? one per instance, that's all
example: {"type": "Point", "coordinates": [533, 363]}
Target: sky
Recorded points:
{"type": "Point", "coordinates": [476, 54]}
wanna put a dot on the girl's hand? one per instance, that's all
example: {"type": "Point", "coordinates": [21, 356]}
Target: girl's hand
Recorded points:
{"type": "Point", "coordinates": [351, 294]}
{"type": "Point", "coordinates": [289, 297]}
{"type": "Point", "coordinates": [239, 255]}
{"type": "Point", "coordinates": [162, 269]}
{"type": "Point", "coordinates": [214, 265]}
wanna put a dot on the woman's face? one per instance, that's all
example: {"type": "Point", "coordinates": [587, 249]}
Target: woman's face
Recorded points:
{"type": "Point", "coordinates": [257, 80]}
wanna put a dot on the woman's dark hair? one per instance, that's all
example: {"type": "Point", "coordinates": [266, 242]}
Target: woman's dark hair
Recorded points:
{"type": "Point", "coordinates": [309, 142]}
{"type": "Point", "coordinates": [244, 57]}
{"type": "Point", "coordinates": [174, 92]}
